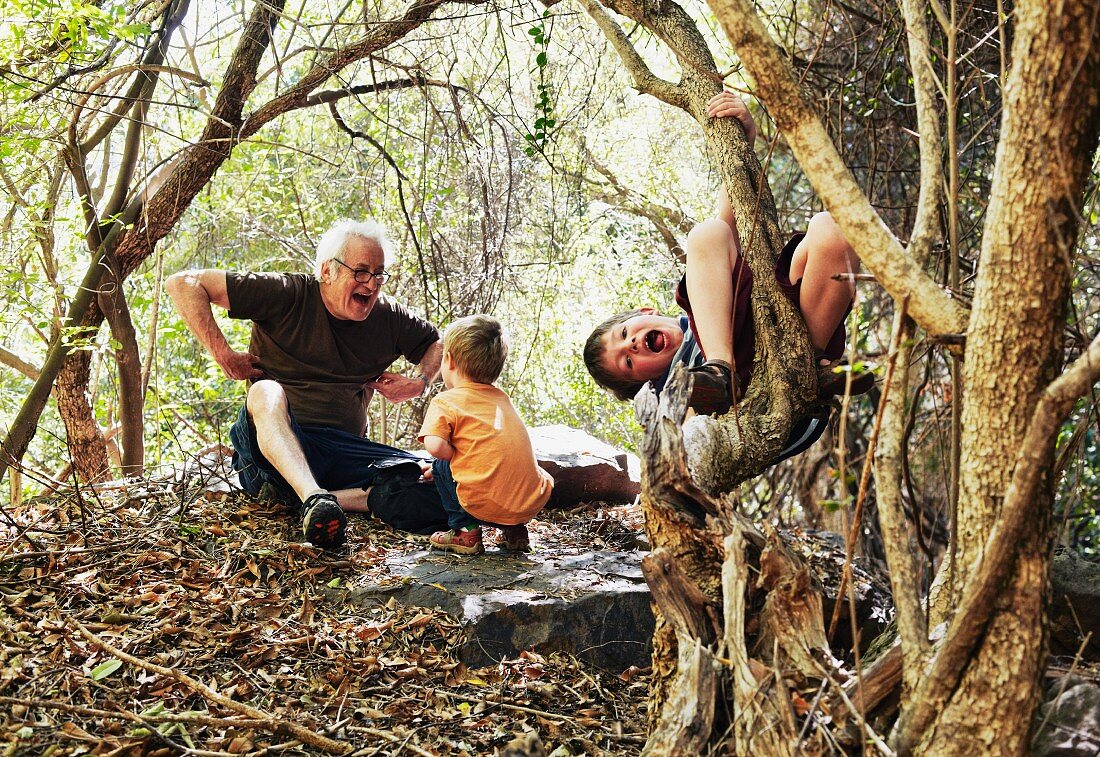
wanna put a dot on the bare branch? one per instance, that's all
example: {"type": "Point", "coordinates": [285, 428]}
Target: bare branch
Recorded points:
{"type": "Point", "coordinates": [645, 80]}
{"type": "Point", "coordinates": [926, 231]}
{"type": "Point", "coordinates": [379, 37]}
{"type": "Point", "coordinates": [879, 249]}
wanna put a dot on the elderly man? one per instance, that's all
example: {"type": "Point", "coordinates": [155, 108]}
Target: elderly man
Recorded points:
{"type": "Point", "coordinates": [321, 346]}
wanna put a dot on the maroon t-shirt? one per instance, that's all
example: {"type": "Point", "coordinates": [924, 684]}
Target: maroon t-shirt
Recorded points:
{"type": "Point", "coordinates": [322, 362]}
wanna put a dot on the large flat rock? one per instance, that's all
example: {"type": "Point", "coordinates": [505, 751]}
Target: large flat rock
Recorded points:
{"type": "Point", "coordinates": [594, 605]}
{"type": "Point", "coordinates": [584, 468]}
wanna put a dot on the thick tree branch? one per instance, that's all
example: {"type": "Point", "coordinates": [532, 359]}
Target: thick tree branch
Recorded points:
{"type": "Point", "coordinates": [332, 95]}
{"type": "Point", "coordinates": [10, 359]}
{"type": "Point", "coordinates": [777, 85]}
{"type": "Point", "coordinates": [897, 531]}
{"type": "Point", "coordinates": [645, 80]}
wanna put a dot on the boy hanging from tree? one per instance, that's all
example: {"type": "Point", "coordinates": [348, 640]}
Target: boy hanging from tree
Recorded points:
{"type": "Point", "coordinates": [631, 348]}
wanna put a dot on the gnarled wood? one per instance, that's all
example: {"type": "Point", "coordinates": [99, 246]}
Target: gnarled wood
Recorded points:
{"type": "Point", "coordinates": [702, 551]}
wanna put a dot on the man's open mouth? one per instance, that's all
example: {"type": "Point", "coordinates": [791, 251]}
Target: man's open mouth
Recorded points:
{"type": "Point", "coordinates": [362, 299]}
{"type": "Point", "coordinates": [655, 341]}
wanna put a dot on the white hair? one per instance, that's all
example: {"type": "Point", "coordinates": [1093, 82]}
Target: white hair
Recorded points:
{"type": "Point", "coordinates": [333, 242]}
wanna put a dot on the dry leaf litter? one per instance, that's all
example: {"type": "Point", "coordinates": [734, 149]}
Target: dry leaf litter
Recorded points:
{"type": "Point", "coordinates": [145, 618]}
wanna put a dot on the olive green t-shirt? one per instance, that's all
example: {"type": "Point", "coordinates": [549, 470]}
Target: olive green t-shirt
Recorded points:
{"type": "Point", "coordinates": [321, 361]}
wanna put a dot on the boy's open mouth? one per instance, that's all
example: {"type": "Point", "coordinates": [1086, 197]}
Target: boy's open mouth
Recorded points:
{"type": "Point", "coordinates": [655, 341]}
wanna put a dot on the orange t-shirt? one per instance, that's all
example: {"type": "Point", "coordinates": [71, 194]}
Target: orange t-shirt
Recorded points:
{"type": "Point", "coordinates": [494, 467]}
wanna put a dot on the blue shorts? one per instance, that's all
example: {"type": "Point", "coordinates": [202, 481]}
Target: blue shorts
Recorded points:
{"type": "Point", "coordinates": [338, 460]}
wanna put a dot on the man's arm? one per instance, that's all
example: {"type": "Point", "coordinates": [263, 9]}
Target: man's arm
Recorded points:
{"type": "Point", "coordinates": [429, 364]}
{"type": "Point", "coordinates": [397, 388]}
{"type": "Point", "coordinates": [194, 293]}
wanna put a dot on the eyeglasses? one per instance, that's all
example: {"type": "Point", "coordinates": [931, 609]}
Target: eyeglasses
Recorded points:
{"type": "Point", "coordinates": [362, 276]}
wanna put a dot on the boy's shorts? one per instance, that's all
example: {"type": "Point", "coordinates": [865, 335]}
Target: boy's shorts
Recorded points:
{"type": "Point", "coordinates": [744, 334]}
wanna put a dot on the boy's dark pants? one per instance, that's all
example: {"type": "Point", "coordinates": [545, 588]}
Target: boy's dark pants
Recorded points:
{"type": "Point", "coordinates": [448, 493]}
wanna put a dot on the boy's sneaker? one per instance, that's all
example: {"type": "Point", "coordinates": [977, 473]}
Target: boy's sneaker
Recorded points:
{"type": "Point", "coordinates": [712, 388]}
{"type": "Point", "coordinates": [463, 541]}
{"type": "Point", "coordinates": [324, 523]}
{"type": "Point", "coordinates": [515, 538]}
{"type": "Point", "coordinates": [832, 383]}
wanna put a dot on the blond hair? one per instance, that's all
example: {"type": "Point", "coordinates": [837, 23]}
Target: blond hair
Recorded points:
{"type": "Point", "coordinates": [479, 346]}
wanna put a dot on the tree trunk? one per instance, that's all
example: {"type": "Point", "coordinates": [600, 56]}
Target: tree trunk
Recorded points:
{"type": "Point", "coordinates": [87, 448]}
{"type": "Point", "coordinates": [131, 393]}
{"type": "Point", "coordinates": [1014, 346]}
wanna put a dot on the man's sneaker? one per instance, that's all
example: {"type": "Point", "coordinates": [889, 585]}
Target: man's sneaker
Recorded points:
{"type": "Point", "coordinates": [832, 382]}
{"type": "Point", "coordinates": [515, 538]}
{"type": "Point", "coordinates": [462, 541]}
{"type": "Point", "coordinates": [712, 388]}
{"type": "Point", "coordinates": [324, 523]}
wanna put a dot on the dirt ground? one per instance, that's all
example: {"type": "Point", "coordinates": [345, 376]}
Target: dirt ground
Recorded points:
{"type": "Point", "coordinates": [152, 618]}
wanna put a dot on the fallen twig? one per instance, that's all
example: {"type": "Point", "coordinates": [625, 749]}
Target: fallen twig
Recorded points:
{"type": "Point", "coordinates": [267, 722]}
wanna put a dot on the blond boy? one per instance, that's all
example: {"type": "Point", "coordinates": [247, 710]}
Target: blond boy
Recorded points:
{"type": "Point", "coordinates": [484, 466]}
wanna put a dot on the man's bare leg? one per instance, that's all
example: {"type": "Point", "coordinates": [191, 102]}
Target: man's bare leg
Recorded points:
{"type": "Point", "coordinates": [323, 522]}
{"type": "Point", "coordinates": [267, 407]}
{"type": "Point", "coordinates": [353, 500]}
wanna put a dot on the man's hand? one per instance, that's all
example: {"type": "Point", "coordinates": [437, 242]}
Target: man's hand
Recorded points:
{"type": "Point", "coordinates": [729, 105]}
{"type": "Point", "coordinates": [396, 388]}
{"type": "Point", "coordinates": [241, 366]}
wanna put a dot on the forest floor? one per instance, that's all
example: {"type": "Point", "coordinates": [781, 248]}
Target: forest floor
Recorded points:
{"type": "Point", "coordinates": [144, 619]}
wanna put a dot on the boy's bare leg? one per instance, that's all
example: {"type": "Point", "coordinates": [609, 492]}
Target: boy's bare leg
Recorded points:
{"type": "Point", "coordinates": [268, 409]}
{"type": "Point", "coordinates": [823, 253]}
{"type": "Point", "coordinates": [711, 253]}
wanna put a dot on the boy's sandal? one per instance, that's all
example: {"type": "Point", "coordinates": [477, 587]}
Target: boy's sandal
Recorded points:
{"type": "Point", "coordinates": [713, 388]}
{"type": "Point", "coordinates": [515, 538]}
{"type": "Point", "coordinates": [834, 383]}
{"type": "Point", "coordinates": [463, 541]}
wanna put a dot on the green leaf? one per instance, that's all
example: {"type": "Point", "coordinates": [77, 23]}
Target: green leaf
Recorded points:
{"type": "Point", "coordinates": [104, 669]}
{"type": "Point", "coordinates": [153, 710]}
{"type": "Point", "coordinates": [540, 60]}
